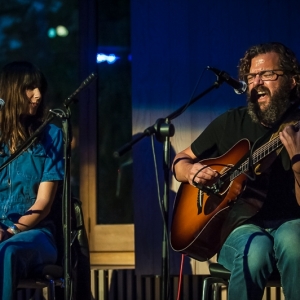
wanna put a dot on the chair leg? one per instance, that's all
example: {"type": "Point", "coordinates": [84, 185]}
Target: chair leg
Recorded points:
{"type": "Point", "coordinates": [212, 284]}
{"type": "Point", "coordinates": [51, 290]}
{"type": "Point", "coordinates": [216, 291]}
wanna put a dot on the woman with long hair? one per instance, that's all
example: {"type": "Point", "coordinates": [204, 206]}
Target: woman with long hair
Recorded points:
{"type": "Point", "coordinates": [28, 184]}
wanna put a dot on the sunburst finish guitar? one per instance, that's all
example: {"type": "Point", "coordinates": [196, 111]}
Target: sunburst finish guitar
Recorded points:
{"type": "Point", "coordinates": [199, 214]}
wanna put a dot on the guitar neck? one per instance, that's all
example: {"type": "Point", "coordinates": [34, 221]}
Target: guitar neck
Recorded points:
{"type": "Point", "coordinates": [260, 154]}
{"type": "Point", "coordinates": [257, 156]}
{"type": "Point", "coordinates": [266, 149]}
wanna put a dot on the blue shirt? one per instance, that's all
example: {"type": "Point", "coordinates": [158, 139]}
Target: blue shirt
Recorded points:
{"type": "Point", "coordinates": [20, 180]}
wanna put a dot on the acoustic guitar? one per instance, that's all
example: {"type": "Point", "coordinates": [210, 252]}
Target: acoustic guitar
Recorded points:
{"type": "Point", "coordinates": [199, 213]}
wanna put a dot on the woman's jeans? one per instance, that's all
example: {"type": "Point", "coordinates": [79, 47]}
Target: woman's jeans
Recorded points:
{"type": "Point", "coordinates": [24, 254]}
{"type": "Point", "coordinates": [251, 253]}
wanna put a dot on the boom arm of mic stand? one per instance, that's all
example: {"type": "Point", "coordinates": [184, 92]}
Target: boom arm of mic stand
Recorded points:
{"type": "Point", "coordinates": [153, 129]}
{"type": "Point", "coordinates": [28, 142]}
{"type": "Point", "coordinates": [181, 109]}
{"type": "Point", "coordinates": [125, 148]}
{"type": "Point", "coordinates": [162, 128]}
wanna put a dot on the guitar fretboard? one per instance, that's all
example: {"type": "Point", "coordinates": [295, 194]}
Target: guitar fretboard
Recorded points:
{"type": "Point", "coordinates": [259, 154]}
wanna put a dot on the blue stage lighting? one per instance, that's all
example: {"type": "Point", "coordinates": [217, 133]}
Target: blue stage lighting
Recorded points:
{"type": "Point", "coordinates": [110, 59]}
{"type": "Point", "coordinates": [51, 33]}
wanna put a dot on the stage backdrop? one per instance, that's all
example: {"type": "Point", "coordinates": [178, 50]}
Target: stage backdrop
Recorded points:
{"type": "Point", "coordinates": [172, 44]}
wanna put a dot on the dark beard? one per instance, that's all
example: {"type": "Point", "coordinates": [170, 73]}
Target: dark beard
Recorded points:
{"type": "Point", "coordinates": [280, 101]}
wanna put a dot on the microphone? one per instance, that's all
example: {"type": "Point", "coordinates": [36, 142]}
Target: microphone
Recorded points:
{"type": "Point", "coordinates": [2, 102]}
{"type": "Point", "coordinates": [239, 86]}
{"type": "Point", "coordinates": [85, 83]}
{"type": "Point", "coordinates": [88, 80]}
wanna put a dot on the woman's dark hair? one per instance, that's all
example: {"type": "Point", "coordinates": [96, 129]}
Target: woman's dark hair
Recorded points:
{"type": "Point", "coordinates": [15, 124]}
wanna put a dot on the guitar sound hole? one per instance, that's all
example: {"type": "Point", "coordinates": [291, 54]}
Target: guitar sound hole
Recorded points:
{"type": "Point", "coordinates": [212, 202]}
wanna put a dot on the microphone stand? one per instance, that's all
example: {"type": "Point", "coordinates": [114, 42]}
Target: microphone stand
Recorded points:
{"type": "Point", "coordinates": [163, 130]}
{"type": "Point", "coordinates": [66, 206]}
{"type": "Point", "coordinates": [66, 210]}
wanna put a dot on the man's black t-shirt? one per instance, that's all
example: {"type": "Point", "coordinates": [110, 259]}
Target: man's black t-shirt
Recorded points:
{"type": "Point", "coordinates": [228, 129]}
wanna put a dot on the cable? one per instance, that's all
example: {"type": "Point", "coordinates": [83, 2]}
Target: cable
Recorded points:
{"type": "Point", "coordinates": [180, 277]}
{"type": "Point", "coordinates": [181, 111]}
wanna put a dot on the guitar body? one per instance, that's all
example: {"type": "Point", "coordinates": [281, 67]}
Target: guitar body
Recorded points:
{"type": "Point", "coordinates": [196, 229]}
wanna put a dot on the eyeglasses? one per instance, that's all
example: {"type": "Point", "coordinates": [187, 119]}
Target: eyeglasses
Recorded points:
{"type": "Point", "coordinates": [266, 75]}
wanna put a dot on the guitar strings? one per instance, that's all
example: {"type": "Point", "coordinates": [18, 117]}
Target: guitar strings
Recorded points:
{"type": "Point", "coordinates": [257, 155]}
{"type": "Point", "coordinates": [216, 186]}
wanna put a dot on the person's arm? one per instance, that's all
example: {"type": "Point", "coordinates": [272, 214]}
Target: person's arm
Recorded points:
{"type": "Point", "coordinates": [291, 140]}
{"type": "Point", "coordinates": [186, 165]}
{"type": "Point", "coordinates": [41, 208]}
{"type": "Point", "coordinates": [38, 211]}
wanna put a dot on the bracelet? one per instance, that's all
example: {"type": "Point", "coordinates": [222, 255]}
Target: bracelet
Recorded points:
{"type": "Point", "coordinates": [14, 229]}
{"type": "Point", "coordinates": [295, 159]}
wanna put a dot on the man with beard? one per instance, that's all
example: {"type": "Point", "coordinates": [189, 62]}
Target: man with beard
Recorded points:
{"type": "Point", "coordinates": [259, 242]}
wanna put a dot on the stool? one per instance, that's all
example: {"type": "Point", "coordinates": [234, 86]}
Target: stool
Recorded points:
{"type": "Point", "coordinates": [220, 276]}
{"type": "Point", "coordinates": [52, 276]}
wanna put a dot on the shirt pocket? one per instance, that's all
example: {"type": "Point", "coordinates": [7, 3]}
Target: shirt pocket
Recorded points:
{"type": "Point", "coordinates": [30, 164]}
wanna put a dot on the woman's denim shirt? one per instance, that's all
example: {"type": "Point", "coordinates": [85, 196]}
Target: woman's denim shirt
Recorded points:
{"type": "Point", "coordinates": [19, 181]}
